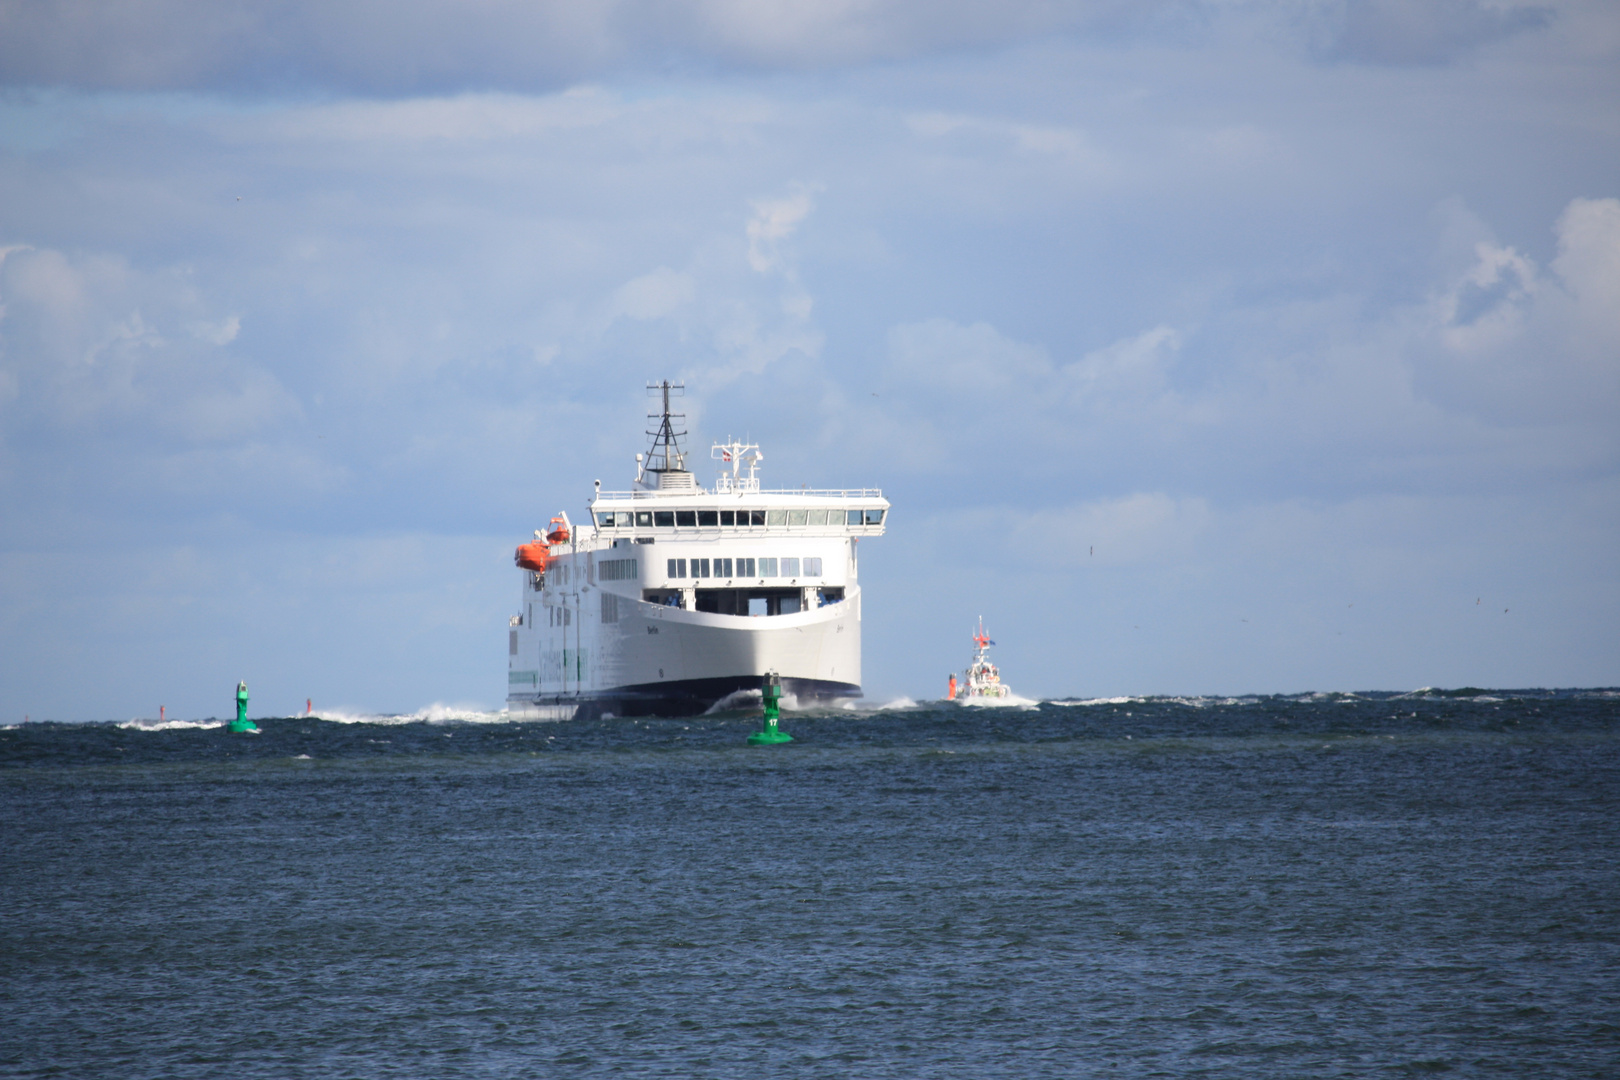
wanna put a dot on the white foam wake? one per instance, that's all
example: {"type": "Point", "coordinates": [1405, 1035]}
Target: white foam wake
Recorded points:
{"type": "Point", "coordinates": [170, 725]}
{"type": "Point", "coordinates": [1011, 701]}
{"type": "Point", "coordinates": [738, 699]}
{"type": "Point", "coordinates": [436, 713]}
{"type": "Point", "coordinates": [858, 706]}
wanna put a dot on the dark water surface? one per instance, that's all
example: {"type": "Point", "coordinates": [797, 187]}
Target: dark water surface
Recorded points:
{"type": "Point", "coordinates": [1268, 887]}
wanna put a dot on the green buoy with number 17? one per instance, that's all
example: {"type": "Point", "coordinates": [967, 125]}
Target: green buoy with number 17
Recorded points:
{"type": "Point", "coordinates": [770, 692]}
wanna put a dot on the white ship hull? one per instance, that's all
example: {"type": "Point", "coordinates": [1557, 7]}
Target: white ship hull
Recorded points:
{"type": "Point", "coordinates": [659, 660]}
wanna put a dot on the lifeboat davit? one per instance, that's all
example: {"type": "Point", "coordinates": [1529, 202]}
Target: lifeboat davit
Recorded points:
{"type": "Point", "coordinates": [533, 556]}
{"type": "Point", "coordinates": [558, 535]}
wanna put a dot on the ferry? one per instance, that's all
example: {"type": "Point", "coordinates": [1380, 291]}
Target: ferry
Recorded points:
{"type": "Point", "coordinates": [670, 597]}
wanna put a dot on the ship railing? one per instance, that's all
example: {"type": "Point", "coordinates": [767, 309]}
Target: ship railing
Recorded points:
{"type": "Point", "coordinates": [820, 493]}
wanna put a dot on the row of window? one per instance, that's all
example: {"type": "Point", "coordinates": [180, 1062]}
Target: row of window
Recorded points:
{"type": "Point", "coordinates": [735, 519]}
{"type": "Point", "coordinates": [617, 569]}
{"type": "Point", "coordinates": [745, 568]}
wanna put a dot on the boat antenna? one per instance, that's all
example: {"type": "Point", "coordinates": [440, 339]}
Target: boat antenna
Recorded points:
{"type": "Point", "coordinates": [666, 455]}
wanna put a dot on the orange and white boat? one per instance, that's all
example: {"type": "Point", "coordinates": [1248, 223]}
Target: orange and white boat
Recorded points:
{"type": "Point", "coordinates": [981, 683]}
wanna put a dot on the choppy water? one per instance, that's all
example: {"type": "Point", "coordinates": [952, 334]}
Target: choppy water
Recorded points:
{"type": "Point", "coordinates": [1269, 887]}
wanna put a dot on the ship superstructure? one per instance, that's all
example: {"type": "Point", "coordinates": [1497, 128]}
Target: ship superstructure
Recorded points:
{"type": "Point", "coordinates": [670, 596]}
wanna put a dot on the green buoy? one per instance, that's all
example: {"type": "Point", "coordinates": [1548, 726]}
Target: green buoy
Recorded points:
{"type": "Point", "coordinates": [242, 723]}
{"type": "Point", "coordinates": [770, 692]}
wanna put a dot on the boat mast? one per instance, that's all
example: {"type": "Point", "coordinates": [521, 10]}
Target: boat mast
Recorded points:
{"type": "Point", "coordinates": [666, 455]}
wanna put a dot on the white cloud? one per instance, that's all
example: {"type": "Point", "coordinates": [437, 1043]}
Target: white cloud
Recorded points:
{"type": "Point", "coordinates": [655, 295]}
{"type": "Point", "coordinates": [1515, 344]}
{"type": "Point", "coordinates": [1051, 139]}
{"type": "Point", "coordinates": [220, 333]}
{"type": "Point", "coordinates": [83, 349]}
{"type": "Point", "coordinates": [1028, 414]}
{"type": "Point", "coordinates": [439, 45]}
{"type": "Point", "coordinates": [1588, 263]}
{"type": "Point", "coordinates": [463, 119]}
{"type": "Point", "coordinates": [784, 28]}
{"type": "Point", "coordinates": [977, 361]}
{"type": "Point", "coordinates": [1509, 370]}
{"type": "Point", "coordinates": [757, 320]}
{"type": "Point", "coordinates": [1134, 368]}
{"type": "Point", "coordinates": [773, 221]}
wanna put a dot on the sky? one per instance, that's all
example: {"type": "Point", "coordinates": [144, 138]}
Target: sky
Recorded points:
{"type": "Point", "coordinates": [1201, 347]}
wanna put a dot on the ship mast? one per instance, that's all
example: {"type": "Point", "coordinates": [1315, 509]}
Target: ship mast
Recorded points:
{"type": "Point", "coordinates": [666, 453]}
{"type": "Point", "coordinates": [664, 468]}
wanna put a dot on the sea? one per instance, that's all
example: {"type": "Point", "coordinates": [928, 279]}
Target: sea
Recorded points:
{"type": "Point", "coordinates": [1318, 885]}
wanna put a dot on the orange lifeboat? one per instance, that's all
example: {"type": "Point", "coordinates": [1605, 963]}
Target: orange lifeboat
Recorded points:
{"type": "Point", "coordinates": [559, 535]}
{"type": "Point", "coordinates": [533, 556]}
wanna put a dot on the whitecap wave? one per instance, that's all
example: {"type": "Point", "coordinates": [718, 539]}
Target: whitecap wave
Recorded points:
{"type": "Point", "coordinates": [1194, 702]}
{"type": "Point", "coordinates": [866, 708]}
{"type": "Point", "coordinates": [436, 713]}
{"type": "Point", "coordinates": [1011, 701]}
{"type": "Point", "coordinates": [171, 725]}
{"type": "Point", "coordinates": [347, 716]}
{"type": "Point", "coordinates": [440, 713]}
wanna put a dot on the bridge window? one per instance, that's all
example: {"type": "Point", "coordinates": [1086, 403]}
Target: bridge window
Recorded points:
{"type": "Point", "coordinates": [728, 517]}
{"type": "Point", "coordinates": [776, 517]}
{"type": "Point", "coordinates": [664, 519]}
{"type": "Point", "coordinates": [797, 517]}
{"type": "Point", "coordinates": [607, 519]}
{"type": "Point", "coordinates": [755, 517]}
{"type": "Point", "coordinates": [874, 517]}
{"type": "Point", "coordinates": [687, 518]}
{"type": "Point", "coordinates": [643, 519]}
{"type": "Point", "coordinates": [708, 518]}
